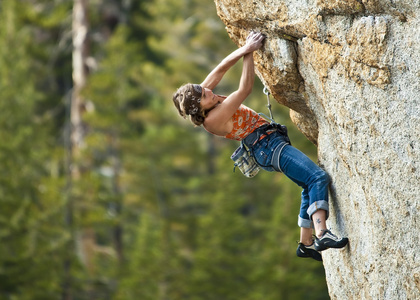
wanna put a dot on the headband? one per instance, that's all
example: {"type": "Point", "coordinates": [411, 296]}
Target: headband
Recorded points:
{"type": "Point", "coordinates": [194, 102]}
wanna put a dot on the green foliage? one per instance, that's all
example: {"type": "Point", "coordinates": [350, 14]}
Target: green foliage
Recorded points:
{"type": "Point", "coordinates": [157, 212]}
{"type": "Point", "coordinates": [32, 235]}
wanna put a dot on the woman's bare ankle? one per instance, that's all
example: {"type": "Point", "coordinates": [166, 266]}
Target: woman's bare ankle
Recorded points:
{"type": "Point", "coordinates": [307, 242]}
{"type": "Point", "coordinates": [321, 232]}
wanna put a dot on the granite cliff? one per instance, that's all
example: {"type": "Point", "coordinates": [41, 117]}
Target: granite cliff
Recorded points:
{"type": "Point", "coordinates": [350, 73]}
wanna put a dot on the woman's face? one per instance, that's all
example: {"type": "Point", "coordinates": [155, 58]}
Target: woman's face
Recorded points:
{"type": "Point", "coordinates": [209, 100]}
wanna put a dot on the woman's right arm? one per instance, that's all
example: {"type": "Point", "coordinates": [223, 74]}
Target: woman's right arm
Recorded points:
{"type": "Point", "coordinates": [219, 120]}
{"type": "Point", "coordinates": [222, 114]}
{"type": "Point", "coordinates": [253, 42]}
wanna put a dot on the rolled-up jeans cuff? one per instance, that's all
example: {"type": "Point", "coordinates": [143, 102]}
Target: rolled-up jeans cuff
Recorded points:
{"type": "Point", "coordinates": [305, 223]}
{"type": "Point", "coordinates": [321, 204]}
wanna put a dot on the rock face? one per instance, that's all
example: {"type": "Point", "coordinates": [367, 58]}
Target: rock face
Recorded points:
{"type": "Point", "coordinates": [350, 73]}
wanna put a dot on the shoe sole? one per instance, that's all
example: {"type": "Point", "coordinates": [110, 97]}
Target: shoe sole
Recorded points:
{"type": "Point", "coordinates": [313, 257]}
{"type": "Point", "coordinates": [323, 247]}
{"type": "Point", "coordinates": [309, 253]}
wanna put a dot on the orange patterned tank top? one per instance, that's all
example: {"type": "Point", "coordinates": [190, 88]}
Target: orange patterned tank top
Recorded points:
{"type": "Point", "coordinates": [245, 121]}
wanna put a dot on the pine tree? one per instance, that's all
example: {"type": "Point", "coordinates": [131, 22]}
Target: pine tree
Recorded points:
{"type": "Point", "coordinates": [32, 236]}
{"type": "Point", "coordinates": [173, 181]}
{"type": "Point", "coordinates": [157, 206]}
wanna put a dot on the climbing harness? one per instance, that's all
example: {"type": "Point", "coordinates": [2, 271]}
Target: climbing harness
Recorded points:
{"type": "Point", "coordinates": [243, 156]}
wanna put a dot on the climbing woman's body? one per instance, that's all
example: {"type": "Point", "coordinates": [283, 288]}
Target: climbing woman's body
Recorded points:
{"type": "Point", "coordinates": [229, 118]}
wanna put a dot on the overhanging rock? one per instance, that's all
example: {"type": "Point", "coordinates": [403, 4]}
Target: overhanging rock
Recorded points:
{"type": "Point", "coordinates": [350, 73]}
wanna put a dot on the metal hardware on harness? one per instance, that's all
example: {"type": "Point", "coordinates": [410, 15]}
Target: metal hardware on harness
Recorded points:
{"type": "Point", "coordinates": [267, 92]}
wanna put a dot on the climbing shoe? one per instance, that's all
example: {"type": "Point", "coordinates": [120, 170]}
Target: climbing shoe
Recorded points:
{"type": "Point", "coordinates": [329, 240]}
{"type": "Point", "coordinates": [308, 251]}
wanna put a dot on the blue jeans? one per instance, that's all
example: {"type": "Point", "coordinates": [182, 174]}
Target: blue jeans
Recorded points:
{"type": "Point", "coordinates": [273, 154]}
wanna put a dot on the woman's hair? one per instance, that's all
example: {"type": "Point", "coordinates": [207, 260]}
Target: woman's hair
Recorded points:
{"type": "Point", "coordinates": [187, 100]}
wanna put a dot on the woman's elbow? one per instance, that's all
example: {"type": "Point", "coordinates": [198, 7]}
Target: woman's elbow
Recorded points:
{"type": "Point", "coordinates": [246, 87]}
{"type": "Point", "coordinates": [247, 90]}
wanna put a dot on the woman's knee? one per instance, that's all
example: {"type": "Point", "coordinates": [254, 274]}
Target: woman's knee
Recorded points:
{"type": "Point", "coordinates": [323, 177]}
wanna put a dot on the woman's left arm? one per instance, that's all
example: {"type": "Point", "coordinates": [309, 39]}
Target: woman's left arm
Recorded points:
{"type": "Point", "coordinates": [219, 120]}
{"type": "Point", "coordinates": [253, 42]}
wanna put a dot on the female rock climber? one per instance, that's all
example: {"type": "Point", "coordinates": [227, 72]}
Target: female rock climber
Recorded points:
{"type": "Point", "coordinates": [228, 117]}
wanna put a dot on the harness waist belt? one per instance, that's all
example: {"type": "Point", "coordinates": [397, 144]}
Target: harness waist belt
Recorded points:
{"type": "Point", "coordinates": [263, 131]}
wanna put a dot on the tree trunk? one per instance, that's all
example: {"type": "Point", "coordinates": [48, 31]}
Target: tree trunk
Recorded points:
{"type": "Point", "coordinates": [80, 52]}
{"type": "Point", "coordinates": [76, 130]}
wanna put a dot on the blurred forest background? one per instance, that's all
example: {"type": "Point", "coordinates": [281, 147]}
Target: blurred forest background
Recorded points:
{"type": "Point", "coordinates": [105, 192]}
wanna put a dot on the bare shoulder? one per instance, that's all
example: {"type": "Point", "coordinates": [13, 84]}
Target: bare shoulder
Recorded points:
{"type": "Point", "coordinates": [212, 124]}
